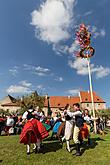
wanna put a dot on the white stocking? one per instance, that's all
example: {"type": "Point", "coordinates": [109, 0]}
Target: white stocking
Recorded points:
{"type": "Point", "coordinates": [29, 141]}
{"type": "Point", "coordinates": [28, 148]}
{"type": "Point", "coordinates": [68, 145]}
{"type": "Point", "coordinates": [38, 143]}
{"type": "Point", "coordinates": [34, 147]}
{"type": "Point", "coordinates": [63, 138]}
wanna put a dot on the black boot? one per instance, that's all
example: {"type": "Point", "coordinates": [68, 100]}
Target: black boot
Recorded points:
{"type": "Point", "coordinates": [78, 153]}
{"type": "Point", "coordinates": [89, 142]}
{"type": "Point", "coordinates": [81, 141]}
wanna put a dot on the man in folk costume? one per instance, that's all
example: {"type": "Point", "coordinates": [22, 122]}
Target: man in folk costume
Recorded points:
{"type": "Point", "coordinates": [33, 131]}
{"type": "Point", "coordinates": [78, 125]}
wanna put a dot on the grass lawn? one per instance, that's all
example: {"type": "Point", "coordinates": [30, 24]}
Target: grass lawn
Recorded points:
{"type": "Point", "coordinates": [13, 153]}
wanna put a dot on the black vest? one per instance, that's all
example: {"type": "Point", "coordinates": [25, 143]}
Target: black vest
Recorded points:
{"type": "Point", "coordinates": [79, 121]}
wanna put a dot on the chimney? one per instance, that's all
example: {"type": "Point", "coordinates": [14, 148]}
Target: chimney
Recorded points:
{"type": "Point", "coordinates": [46, 96]}
{"type": "Point", "coordinates": [80, 97]}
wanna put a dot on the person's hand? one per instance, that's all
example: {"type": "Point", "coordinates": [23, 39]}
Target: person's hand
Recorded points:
{"type": "Point", "coordinates": [65, 112]}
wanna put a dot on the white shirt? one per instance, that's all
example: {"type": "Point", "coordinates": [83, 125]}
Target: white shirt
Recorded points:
{"type": "Point", "coordinates": [73, 114]}
{"type": "Point", "coordinates": [25, 115]}
{"type": "Point", "coordinates": [10, 121]}
{"type": "Point", "coordinates": [87, 119]}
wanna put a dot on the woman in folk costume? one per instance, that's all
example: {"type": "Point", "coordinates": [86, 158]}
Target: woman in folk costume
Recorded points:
{"type": "Point", "coordinates": [60, 132]}
{"type": "Point", "coordinates": [39, 114]}
{"type": "Point", "coordinates": [88, 121]}
{"type": "Point", "coordinates": [68, 126]}
{"type": "Point", "coordinates": [33, 131]}
{"type": "Point", "coordinates": [56, 127]}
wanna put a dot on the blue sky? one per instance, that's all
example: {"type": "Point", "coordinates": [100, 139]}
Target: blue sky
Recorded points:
{"type": "Point", "coordinates": [37, 45]}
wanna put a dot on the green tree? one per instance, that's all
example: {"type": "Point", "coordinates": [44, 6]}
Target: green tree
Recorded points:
{"type": "Point", "coordinates": [31, 100]}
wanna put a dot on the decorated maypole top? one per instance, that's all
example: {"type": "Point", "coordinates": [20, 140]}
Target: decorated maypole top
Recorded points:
{"type": "Point", "coordinates": [83, 37]}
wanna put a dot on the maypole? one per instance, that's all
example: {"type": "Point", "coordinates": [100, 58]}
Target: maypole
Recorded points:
{"type": "Point", "coordinates": [86, 51]}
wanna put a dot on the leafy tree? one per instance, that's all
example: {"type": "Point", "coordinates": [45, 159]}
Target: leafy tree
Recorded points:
{"type": "Point", "coordinates": [4, 112]}
{"type": "Point", "coordinates": [104, 113]}
{"type": "Point", "coordinates": [31, 100]}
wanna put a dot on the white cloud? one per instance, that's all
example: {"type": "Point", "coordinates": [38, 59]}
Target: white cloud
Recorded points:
{"type": "Point", "coordinates": [74, 47]}
{"type": "Point", "coordinates": [40, 74]}
{"type": "Point", "coordinates": [67, 49]}
{"type": "Point", "coordinates": [53, 20]}
{"type": "Point", "coordinates": [14, 70]}
{"type": "Point", "coordinates": [25, 83]}
{"type": "Point", "coordinates": [59, 49]}
{"type": "Point", "coordinates": [81, 67]}
{"type": "Point", "coordinates": [27, 67]}
{"type": "Point", "coordinates": [60, 79]}
{"type": "Point", "coordinates": [88, 13]}
{"type": "Point", "coordinates": [102, 72]}
{"type": "Point", "coordinates": [18, 89]}
{"type": "Point", "coordinates": [73, 92]}
{"type": "Point", "coordinates": [97, 32]}
{"type": "Point", "coordinates": [38, 70]}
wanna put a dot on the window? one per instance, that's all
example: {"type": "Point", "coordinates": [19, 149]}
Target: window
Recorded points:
{"type": "Point", "coordinates": [87, 105]}
{"type": "Point", "coordinates": [58, 104]}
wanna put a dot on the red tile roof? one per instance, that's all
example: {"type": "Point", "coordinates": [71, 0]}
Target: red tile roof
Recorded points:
{"type": "Point", "coordinates": [61, 101]}
{"type": "Point", "coordinates": [86, 97]}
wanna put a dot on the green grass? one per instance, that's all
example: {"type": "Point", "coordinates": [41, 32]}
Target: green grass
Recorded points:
{"type": "Point", "coordinates": [14, 153]}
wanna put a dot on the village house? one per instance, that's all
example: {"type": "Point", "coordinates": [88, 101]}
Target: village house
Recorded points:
{"type": "Point", "coordinates": [57, 103]}
{"type": "Point", "coordinates": [10, 104]}
{"type": "Point", "coordinates": [85, 100]}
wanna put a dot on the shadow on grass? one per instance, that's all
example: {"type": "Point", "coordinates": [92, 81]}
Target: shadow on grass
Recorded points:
{"type": "Point", "coordinates": [97, 139]}
{"type": "Point", "coordinates": [1, 161]}
{"type": "Point", "coordinates": [94, 143]}
{"type": "Point", "coordinates": [52, 146]}
{"type": "Point", "coordinates": [84, 146]}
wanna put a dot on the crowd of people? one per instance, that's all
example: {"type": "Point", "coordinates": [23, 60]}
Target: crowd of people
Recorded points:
{"type": "Point", "coordinates": [10, 124]}
{"type": "Point", "coordinates": [33, 126]}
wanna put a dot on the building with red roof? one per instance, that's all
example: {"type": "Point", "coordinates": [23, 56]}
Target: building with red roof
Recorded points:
{"type": "Point", "coordinates": [57, 103]}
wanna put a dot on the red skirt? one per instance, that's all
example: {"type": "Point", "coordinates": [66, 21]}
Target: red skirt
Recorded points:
{"type": "Point", "coordinates": [37, 130]}
{"type": "Point", "coordinates": [84, 132]}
